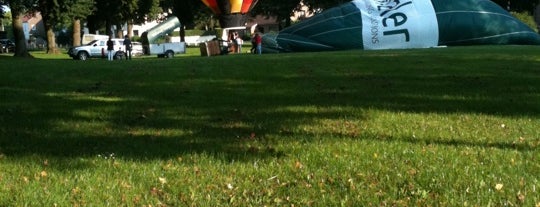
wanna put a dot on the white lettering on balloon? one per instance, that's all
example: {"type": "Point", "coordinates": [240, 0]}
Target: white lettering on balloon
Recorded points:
{"type": "Point", "coordinates": [390, 11]}
{"type": "Point", "coordinates": [398, 23]}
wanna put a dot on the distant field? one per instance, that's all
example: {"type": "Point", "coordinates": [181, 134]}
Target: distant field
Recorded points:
{"type": "Point", "coordinates": [452, 126]}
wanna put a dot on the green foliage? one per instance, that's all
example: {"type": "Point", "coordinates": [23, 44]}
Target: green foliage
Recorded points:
{"type": "Point", "coordinates": [427, 127]}
{"type": "Point", "coordinates": [78, 9]}
{"type": "Point", "coordinates": [281, 9]}
{"type": "Point", "coordinates": [6, 20]}
{"type": "Point", "coordinates": [526, 18]}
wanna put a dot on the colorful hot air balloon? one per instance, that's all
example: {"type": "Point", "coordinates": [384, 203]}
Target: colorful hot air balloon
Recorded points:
{"type": "Point", "coordinates": [231, 13]}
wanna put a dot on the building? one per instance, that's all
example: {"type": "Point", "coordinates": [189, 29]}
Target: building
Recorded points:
{"type": "Point", "coordinates": [34, 31]}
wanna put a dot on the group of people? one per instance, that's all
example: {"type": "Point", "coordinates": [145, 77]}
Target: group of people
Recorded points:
{"type": "Point", "coordinates": [236, 42]}
{"type": "Point", "coordinates": [256, 45]}
{"type": "Point", "coordinates": [128, 46]}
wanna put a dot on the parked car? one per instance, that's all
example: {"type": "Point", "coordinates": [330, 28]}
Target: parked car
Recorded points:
{"type": "Point", "coordinates": [97, 48]}
{"type": "Point", "coordinates": [6, 45]}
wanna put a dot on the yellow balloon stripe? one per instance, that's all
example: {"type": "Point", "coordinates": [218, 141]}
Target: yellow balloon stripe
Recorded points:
{"type": "Point", "coordinates": [236, 6]}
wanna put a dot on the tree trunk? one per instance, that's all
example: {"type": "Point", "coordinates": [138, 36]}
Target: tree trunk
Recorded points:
{"type": "Point", "coordinates": [18, 32]}
{"type": "Point", "coordinates": [119, 31]}
{"type": "Point", "coordinates": [130, 29]}
{"type": "Point", "coordinates": [76, 32]}
{"type": "Point", "coordinates": [51, 42]}
{"type": "Point", "coordinates": [537, 17]}
{"type": "Point", "coordinates": [182, 34]}
{"type": "Point", "coordinates": [108, 28]}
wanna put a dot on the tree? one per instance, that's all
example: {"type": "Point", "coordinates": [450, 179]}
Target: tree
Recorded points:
{"type": "Point", "coordinates": [18, 9]}
{"type": "Point", "coordinates": [120, 12]}
{"type": "Point", "coordinates": [51, 14]}
{"type": "Point", "coordinates": [2, 12]}
{"type": "Point", "coordinates": [323, 4]}
{"type": "Point", "coordinates": [537, 16]}
{"type": "Point", "coordinates": [185, 11]}
{"type": "Point", "coordinates": [105, 15]}
{"type": "Point", "coordinates": [281, 9]}
{"type": "Point", "coordinates": [518, 6]}
{"type": "Point", "coordinates": [5, 21]}
{"type": "Point", "coordinates": [78, 10]}
{"type": "Point", "coordinates": [147, 10]}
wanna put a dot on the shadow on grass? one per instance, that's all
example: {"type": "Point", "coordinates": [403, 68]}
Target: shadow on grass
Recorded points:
{"type": "Point", "coordinates": [211, 106]}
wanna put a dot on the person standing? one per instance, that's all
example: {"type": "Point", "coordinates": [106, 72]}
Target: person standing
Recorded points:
{"type": "Point", "coordinates": [128, 46]}
{"type": "Point", "coordinates": [258, 42]}
{"type": "Point", "coordinates": [239, 42]}
{"type": "Point", "coordinates": [253, 44]}
{"type": "Point", "coordinates": [110, 49]}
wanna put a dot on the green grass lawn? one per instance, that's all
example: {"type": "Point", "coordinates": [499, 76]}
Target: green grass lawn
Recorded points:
{"type": "Point", "coordinates": [428, 127]}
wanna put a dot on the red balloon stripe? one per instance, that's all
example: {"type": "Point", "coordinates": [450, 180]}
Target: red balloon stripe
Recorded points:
{"type": "Point", "coordinates": [246, 5]}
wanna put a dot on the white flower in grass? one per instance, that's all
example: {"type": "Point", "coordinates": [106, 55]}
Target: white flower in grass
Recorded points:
{"type": "Point", "coordinates": [162, 180]}
{"type": "Point", "coordinates": [499, 187]}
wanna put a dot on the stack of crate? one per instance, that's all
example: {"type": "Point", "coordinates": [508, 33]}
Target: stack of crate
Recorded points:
{"type": "Point", "coordinates": [210, 48]}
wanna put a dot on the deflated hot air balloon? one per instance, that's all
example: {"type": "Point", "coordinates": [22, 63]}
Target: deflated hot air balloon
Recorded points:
{"type": "Point", "coordinates": [231, 13]}
{"type": "Point", "coordinates": [395, 24]}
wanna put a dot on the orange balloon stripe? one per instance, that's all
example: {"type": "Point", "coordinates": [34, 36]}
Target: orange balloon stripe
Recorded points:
{"type": "Point", "coordinates": [236, 6]}
{"type": "Point", "coordinates": [212, 4]}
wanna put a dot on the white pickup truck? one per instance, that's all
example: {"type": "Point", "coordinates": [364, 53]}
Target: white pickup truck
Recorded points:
{"type": "Point", "coordinates": [152, 46]}
{"type": "Point", "coordinates": [167, 49]}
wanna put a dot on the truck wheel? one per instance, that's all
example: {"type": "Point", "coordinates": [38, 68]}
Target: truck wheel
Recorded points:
{"type": "Point", "coordinates": [169, 54]}
{"type": "Point", "coordinates": [82, 55]}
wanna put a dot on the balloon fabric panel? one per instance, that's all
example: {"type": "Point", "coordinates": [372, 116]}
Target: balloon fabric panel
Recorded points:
{"type": "Point", "coordinates": [247, 5]}
{"type": "Point", "coordinates": [224, 6]}
{"type": "Point", "coordinates": [236, 6]}
{"type": "Point", "coordinates": [398, 24]}
{"type": "Point", "coordinates": [212, 4]}
{"type": "Point", "coordinates": [472, 22]}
